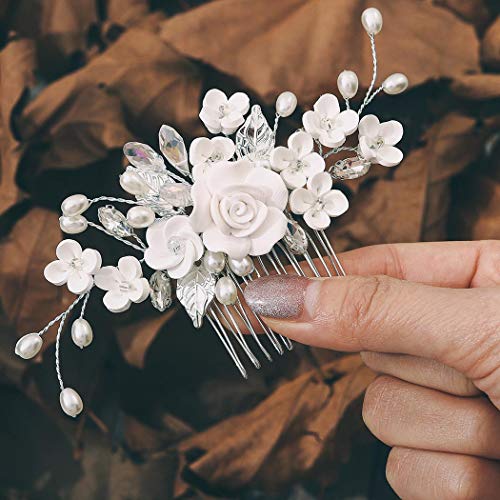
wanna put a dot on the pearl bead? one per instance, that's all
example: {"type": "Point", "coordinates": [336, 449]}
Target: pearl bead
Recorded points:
{"type": "Point", "coordinates": [286, 104]}
{"type": "Point", "coordinates": [347, 82]}
{"type": "Point", "coordinates": [395, 84]}
{"type": "Point", "coordinates": [81, 333]}
{"type": "Point", "coordinates": [75, 204]}
{"type": "Point", "coordinates": [241, 267]}
{"type": "Point", "coordinates": [29, 345]}
{"type": "Point", "coordinates": [225, 291]}
{"type": "Point", "coordinates": [372, 20]}
{"type": "Point", "coordinates": [71, 402]}
{"type": "Point", "coordinates": [131, 182]}
{"type": "Point", "coordinates": [214, 261]}
{"type": "Point", "coordinates": [140, 217]}
{"type": "Point", "coordinates": [73, 225]}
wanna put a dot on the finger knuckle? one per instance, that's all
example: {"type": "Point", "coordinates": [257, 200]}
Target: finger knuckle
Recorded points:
{"type": "Point", "coordinates": [488, 262]}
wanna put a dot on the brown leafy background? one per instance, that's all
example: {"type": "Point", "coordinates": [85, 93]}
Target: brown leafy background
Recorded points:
{"type": "Point", "coordinates": [166, 414]}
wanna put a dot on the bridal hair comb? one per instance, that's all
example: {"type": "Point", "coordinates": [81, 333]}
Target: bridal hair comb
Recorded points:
{"type": "Point", "coordinates": [224, 214]}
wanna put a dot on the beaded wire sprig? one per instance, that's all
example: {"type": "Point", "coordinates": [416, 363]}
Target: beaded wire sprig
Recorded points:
{"type": "Point", "coordinates": [233, 211]}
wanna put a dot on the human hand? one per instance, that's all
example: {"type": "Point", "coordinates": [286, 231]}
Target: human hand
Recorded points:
{"type": "Point", "coordinates": [427, 316]}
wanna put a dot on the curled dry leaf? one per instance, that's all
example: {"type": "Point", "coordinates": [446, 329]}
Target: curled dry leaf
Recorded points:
{"type": "Point", "coordinates": [307, 37]}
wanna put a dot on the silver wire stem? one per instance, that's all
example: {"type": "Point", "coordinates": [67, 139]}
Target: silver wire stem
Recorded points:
{"type": "Point", "coordinates": [126, 242]}
{"type": "Point", "coordinates": [374, 75]}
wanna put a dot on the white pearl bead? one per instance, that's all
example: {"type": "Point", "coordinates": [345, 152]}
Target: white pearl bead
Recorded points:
{"type": "Point", "coordinates": [286, 104]}
{"type": "Point", "coordinates": [347, 82]}
{"type": "Point", "coordinates": [29, 345]}
{"type": "Point", "coordinates": [372, 20]}
{"type": "Point", "coordinates": [73, 225]}
{"type": "Point", "coordinates": [214, 261]}
{"type": "Point", "coordinates": [81, 333]}
{"type": "Point", "coordinates": [71, 402]}
{"type": "Point", "coordinates": [241, 267]}
{"type": "Point", "coordinates": [75, 204]}
{"type": "Point", "coordinates": [225, 291]}
{"type": "Point", "coordinates": [395, 84]}
{"type": "Point", "coordinates": [140, 217]}
{"type": "Point", "coordinates": [131, 182]}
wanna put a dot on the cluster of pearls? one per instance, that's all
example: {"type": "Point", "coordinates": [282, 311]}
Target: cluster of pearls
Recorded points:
{"type": "Point", "coordinates": [72, 221]}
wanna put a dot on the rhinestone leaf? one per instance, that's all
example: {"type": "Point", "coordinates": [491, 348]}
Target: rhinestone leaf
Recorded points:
{"type": "Point", "coordinates": [161, 290]}
{"type": "Point", "coordinates": [177, 195]}
{"type": "Point", "coordinates": [195, 292]}
{"type": "Point", "coordinates": [295, 238]}
{"type": "Point", "coordinates": [173, 147]}
{"type": "Point", "coordinates": [143, 156]}
{"type": "Point", "coordinates": [114, 221]}
{"type": "Point", "coordinates": [350, 168]}
{"type": "Point", "coordinates": [255, 138]}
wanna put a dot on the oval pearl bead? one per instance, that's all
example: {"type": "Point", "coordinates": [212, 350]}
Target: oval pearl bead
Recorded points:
{"type": "Point", "coordinates": [73, 225]}
{"type": "Point", "coordinates": [75, 204]}
{"type": "Point", "coordinates": [140, 217]}
{"type": "Point", "coordinates": [372, 20]}
{"type": "Point", "coordinates": [132, 183]}
{"type": "Point", "coordinates": [29, 345]}
{"type": "Point", "coordinates": [71, 402]}
{"type": "Point", "coordinates": [241, 267]}
{"type": "Point", "coordinates": [214, 261]}
{"type": "Point", "coordinates": [81, 333]}
{"type": "Point", "coordinates": [347, 82]}
{"type": "Point", "coordinates": [395, 84]}
{"type": "Point", "coordinates": [286, 103]}
{"type": "Point", "coordinates": [225, 291]}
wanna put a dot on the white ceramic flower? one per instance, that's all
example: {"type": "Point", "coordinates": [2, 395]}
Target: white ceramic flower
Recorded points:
{"type": "Point", "coordinates": [328, 124]}
{"type": "Point", "coordinates": [74, 267]}
{"type": "Point", "coordinates": [220, 114]}
{"type": "Point", "coordinates": [319, 202]}
{"type": "Point", "coordinates": [298, 162]}
{"type": "Point", "coordinates": [204, 151]}
{"type": "Point", "coordinates": [123, 284]}
{"type": "Point", "coordinates": [239, 208]}
{"type": "Point", "coordinates": [377, 140]}
{"type": "Point", "coordinates": [173, 246]}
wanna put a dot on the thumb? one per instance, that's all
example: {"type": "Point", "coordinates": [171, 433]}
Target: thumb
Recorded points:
{"type": "Point", "coordinates": [458, 327]}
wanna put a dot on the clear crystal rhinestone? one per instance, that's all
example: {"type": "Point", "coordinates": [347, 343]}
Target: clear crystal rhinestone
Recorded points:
{"type": "Point", "coordinates": [255, 138]}
{"type": "Point", "coordinates": [173, 147]}
{"type": "Point", "coordinates": [114, 221]}
{"type": "Point", "coordinates": [295, 238]}
{"type": "Point", "coordinates": [143, 156]}
{"type": "Point", "coordinates": [177, 195]}
{"type": "Point", "coordinates": [350, 168]}
{"type": "Point", "coordinates": [161, 290]}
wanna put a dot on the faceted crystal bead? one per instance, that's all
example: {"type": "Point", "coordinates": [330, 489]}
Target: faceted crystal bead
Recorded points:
{"type": "Point", "coordinates": [173, 147]}
{"type": "Point", "coordinates": [114, 221]}
{"type": "Point", "coordinates": [295, 238]}
{"type": "Point", "coordinates": [177, 195]}
{"type": "Point", "coordinates": [143, 156]}
{"type": "Point", "coordinates": [350, 168]}
{"type": "Point", "coordinates": [255, 138]}
{"type": "Point", "coordinates": [161, 290]}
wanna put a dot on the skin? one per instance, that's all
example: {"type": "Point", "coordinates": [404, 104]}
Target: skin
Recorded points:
{"type": "Point", "coordinates": [425, 316]}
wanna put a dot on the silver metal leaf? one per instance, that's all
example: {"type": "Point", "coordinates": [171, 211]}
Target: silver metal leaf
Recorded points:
{"type": "Point", "coordinates": [173, 147]}
{"type": "Point", "coordinates": [255, 138]}
{"type": "Point", "coordinates": [161, 290]}
{"type": "Point", "coordinates": [114, 221]}
{"type": "Point", "coordinates": [195, 292]}
{"type": "Point", "coordinates": [143, 156]}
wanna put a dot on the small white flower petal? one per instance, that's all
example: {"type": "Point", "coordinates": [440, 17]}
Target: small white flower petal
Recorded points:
{"type": "Point", "coordinates": [327, 106]}
{"type": "Point", "coordinates": [367, 153]}
{"type": "Point", "coordinates": [185, 264]}
{"type": "Point", "coordinates": [336, 203]}
{"type": "Point", "coordinates": [313, 163]}
{"type": "Point", "coordinates": [320, 184]}
{"type": "Point", "coordinates": [57, 272]}
{"type": "Point", "coordinates": [200, 216]}
{"type": "Point", "coordinates": [116, 302]}
{"type": "Point", "coordinates": [214, 98]}
{"type": "Point", "coordinates": [281, 158]}
{"type": "Point", "coordinates": [301, 143]}
{"type": "Point", "coordinates": [79, 282]}
{"type": "Point", "coordinates": [317, 219]}
{"type": "Point", "coordinates": [130, 268]}
{"type": "Point", "coordinates": [332, 138]}
{"type": "Point", "coordinates": [223, 147]}
{"type": "Point", "coordinates": [301, 200]}
{"type": "Point", "coordinates": [389, 156]}
{"type": "Point", "coordinates": [211, 120]}
{"type": "Point", "coordinates": [391, 131]}
{"type": "Point", "coordinates": [312, 123]}
{"type": "Point", "coordinates": [231, 122]}
{"type": "Point", "coordinates": [293, 178]}
{"type": "Point", "coordinates": [107, 278]}
{"type": "Point", "coordinates": [140, 290]}
{"type": "Point", "coordinates": [348, 121]}
{"type": "Point", "coordinates": [92, 260]}
{"type": "Point", "coordinates": [198, 171]}
{"type": "Point", "coordinates": [216, 241]}
{"type": "Point", "coordinates": [68, 250]}
{"type": "Point", "coordinates": [240, 102]}
{"type": "Point", "coordinates": [200, 150]}
{"type": "Point", "coordinates": [369, 126]}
